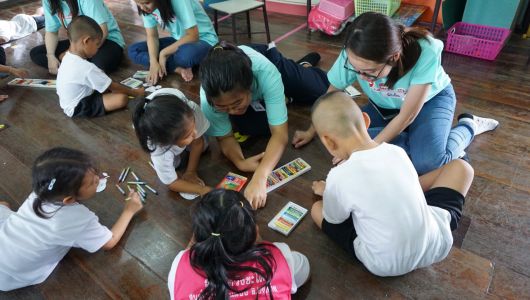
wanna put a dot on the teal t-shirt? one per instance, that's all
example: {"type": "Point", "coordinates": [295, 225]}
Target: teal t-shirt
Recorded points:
{"type": "Point", "coordinates": [428, 69]}
{"type": "Point", "coordinates": [95, 9]}
{"type": "Point", "coordinates": [267, 86]}
{"type": "Point", "coordinates": [188, 13]}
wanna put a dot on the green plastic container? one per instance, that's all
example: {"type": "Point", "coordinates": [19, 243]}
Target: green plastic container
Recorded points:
{"type": "Point", "coordinates": [387, 7]}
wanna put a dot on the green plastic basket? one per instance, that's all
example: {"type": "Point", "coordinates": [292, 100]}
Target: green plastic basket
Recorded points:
{"type": "Point", "coordinates": [387, 7]}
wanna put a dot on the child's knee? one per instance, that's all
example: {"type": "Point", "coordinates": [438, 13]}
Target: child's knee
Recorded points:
{"type": "Point", "coordinates": [463, 167]}
{"type": "Point", "coordinates": [316, 213]}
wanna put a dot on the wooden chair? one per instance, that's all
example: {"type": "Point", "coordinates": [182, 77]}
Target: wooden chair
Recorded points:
{"type": "Point", "coordinates": [233, 7]}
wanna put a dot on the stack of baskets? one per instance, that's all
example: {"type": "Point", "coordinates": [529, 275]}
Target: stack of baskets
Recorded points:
{"type": "Point", "coordinates": [387, 7]}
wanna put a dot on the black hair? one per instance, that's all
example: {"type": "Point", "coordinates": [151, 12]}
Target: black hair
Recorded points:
{"type": "Point", "coordinates": [56, 174]}
{"type": "Point", "coordinates": [161, 121]}
{"type": "Point", "coordinates": [55, 6]}
{"type": "Point", "coordinates": [165, 8]}
{"type": "Point", "coordinates": [224, 229]}
{"type": "Point", "coordinates": [82, 26]}
{"type": "Point", "coordinates": [225, 68]}
{"type": "Point", "coordinates": [376, 37]}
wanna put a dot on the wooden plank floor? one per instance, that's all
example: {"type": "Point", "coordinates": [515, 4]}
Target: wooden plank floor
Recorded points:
{"type": "Point", "coordinates": [490, 258]}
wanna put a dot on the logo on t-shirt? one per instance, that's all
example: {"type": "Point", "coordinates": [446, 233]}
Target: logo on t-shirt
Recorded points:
{"type": "Point", "coordinates": [381, 88]}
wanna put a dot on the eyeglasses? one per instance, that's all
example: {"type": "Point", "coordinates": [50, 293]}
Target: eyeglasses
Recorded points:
{"type": "Point", "coordinates": [228, 108]}
{"type": "Point", "coordinates": [349, 67]}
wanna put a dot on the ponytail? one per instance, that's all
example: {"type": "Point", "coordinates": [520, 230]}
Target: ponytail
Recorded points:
{"type": "Point", "coordinates": [377, 37]}
{"type": "Point", "coordinates": [56, 174]}
{"type": "Point", "coordinates": [225, 233]}
{"type": "Point", "coordinates": [161, 121]}
{"type": "Point", "coordinates": [225, 68]}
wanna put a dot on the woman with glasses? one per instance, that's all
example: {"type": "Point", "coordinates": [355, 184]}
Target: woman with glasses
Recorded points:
{"type": "Point", "coordinates": [244, 89]}
{"type": "Point", "coordinates": [412, 101]}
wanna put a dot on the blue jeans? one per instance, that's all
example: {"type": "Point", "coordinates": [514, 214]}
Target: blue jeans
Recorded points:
{"type": "Point", "coordinates": [429, 140]}
{"type": "Point", "coordinates": [187, 56]}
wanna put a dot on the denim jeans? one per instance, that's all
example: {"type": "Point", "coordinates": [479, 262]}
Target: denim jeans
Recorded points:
{"type": "Point", "coordinates": [187, 55]}
{"type": "Point", "coordinates": [429, 140]}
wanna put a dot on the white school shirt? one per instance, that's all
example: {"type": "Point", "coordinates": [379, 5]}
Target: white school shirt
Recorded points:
{"type": "Point", "coordinates": [32, 247]}
{"type": "Point", "coordinates": [76, 79]}
{"type": "Point", "coordinates": [283, 247]}
{"type": "Point", "coordinates": [18, 27]}
{"type": "Point", "coordinates": [166, 159]}
{"type": "Point", "coordinates": [397, 231]}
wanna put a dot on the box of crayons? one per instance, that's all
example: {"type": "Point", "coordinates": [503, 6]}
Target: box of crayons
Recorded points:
{"type": "Point", "coordinates": [288, 217]}
{"type": "Point", "coordinates": [232, 181]}
{"type": "Point", "coordinates": [286, 173]}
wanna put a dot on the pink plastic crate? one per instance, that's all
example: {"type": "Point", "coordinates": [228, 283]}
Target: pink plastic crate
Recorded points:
{"type": "Point", "coordinates": [340, 9]}
{"type": "Point", "coordinates": [476, 40]}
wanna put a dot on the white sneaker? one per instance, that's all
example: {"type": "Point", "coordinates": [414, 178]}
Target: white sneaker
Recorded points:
{"type": "Point", "coordinates": [481, 124]}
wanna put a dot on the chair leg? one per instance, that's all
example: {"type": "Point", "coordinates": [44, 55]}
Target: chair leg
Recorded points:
{"type": "Point", "coordinates": [234, 33]}
{"type": "Point", "coordinates": [266, 19]}
{"type": "Point", "coordinates": [249, 33]}
{"type": "Point", "coordinates": [215, 23]}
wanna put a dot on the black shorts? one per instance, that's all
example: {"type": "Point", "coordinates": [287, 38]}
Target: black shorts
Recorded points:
{"type": "Point", "coordinates": [448, 199]}
{"type": "Point", "coordinates": [91, 106]}
{"type": "Point", "coordinates": [344, 233]}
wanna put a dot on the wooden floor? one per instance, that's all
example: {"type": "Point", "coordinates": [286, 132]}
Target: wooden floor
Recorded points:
{"type": "Point", "coordinates": [491, 256]}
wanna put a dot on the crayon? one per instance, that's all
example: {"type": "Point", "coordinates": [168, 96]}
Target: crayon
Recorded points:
{"type": "Point", "coordinates": [121, 175]}
{"type": "Point", "coordinates": [134, 175]}
{"type": "Point", "coordinates": [125, 174]}
{"type": "Point", "coordinates": [120, 189]}
{"type": "Point", "coordinates": [151, 164]}
{"type": "Point", "coordinates": [151, 189]}
{"type": "Point", "coordinates": [136, 182]}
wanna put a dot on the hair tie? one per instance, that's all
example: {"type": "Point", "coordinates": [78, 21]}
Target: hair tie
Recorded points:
{"type": "Point", "coordinates": [215, 234]}
{"type": "Point", "coordinates": [242, 205]}
{"type": "Point", "coordinates": [218, 47]}
{"type": "Point", "coordinates": [52, 182]}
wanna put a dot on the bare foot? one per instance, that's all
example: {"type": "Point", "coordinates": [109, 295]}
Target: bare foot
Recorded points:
{"type": "Point", "coordinates": [187, 74]}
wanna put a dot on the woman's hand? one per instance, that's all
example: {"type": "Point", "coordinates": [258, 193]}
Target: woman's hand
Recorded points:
{"type": "Point", "coordinates": [155, 73]}
{"type": "Point", "coordinates": [251, 164]}
{"type": "Point", "coordinates": [301, 137]}
{"type": "Point", "coordinates": [53, 64]}
{"type": "Point", "coordinates": [256, 192]}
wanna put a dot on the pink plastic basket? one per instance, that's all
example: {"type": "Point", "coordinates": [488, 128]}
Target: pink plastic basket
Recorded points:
{"type": "Point", "coordinates": [476, 40]}
{"type": "Point", "coordinates": [340, 9]}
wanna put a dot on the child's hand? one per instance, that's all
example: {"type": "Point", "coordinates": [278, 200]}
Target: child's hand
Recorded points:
{"type": "Point", "coordinates": [301, 138]}
{"type": "Point", "coordinates": [319, 187]}
{"type": "Point", "coordinates": [251, 164]}
{"type": "Point", "coordinates": [53, 64]}
{"type": "Point", "coordinates": [3, 97]}
{"type": "Point", "coordinates": [256, 193]}
{"type": "Point", "coordinates": [134, 204]}
{"type": "Point", "coordinates": [205, 190]}
{"type": "Point", "coordinates": [191, 176]}
{"type": "Point", "coordinates": [138, 92]}
{"type": "Point", "coordinates": [22, 73]}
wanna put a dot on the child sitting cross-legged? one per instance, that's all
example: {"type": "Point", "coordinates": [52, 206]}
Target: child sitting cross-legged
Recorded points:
{"type": "Point", "coordinates": [374, 204]}
{"type": "Point", "coordinates": [82, 87]}
{"type": "Point", "coordinates": [53, 219]}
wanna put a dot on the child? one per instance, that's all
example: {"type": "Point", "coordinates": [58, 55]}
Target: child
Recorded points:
{"type": "Point", "coordinates": [374, 206]}
{"type": "Point", "coordinates": [22, 73]}
{"type": "Point", "coordinates": [227, 260]}
{"type": "Point", "coordinates": [80, 84]}
{"type": "Point", "coordinates": [53, 219]}
{"type": "Point", "coordinates": [20, 26]}
{"type": "Point", "coordinates": [192, 35]}
{"type": "Point", "coordinates": [166, 124]}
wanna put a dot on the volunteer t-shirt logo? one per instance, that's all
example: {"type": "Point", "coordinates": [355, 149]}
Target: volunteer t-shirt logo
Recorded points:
{"type": "Point", "coordinates": [381, 88]}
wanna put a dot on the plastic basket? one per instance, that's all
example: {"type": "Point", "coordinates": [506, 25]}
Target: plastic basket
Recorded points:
{"type": "Point", "coordinates": [474, 40]}
{"type": "Point", "coordinates": [387, 7]}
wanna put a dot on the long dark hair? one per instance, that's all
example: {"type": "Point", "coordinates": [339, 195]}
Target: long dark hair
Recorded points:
{"type": "Point", "coordinates": [225, 233]}
{"type": "Point", "coordinates": [56, 174]}
{"type": "Point", "coordinates": [55, 6]}
{"type": "Point", "coordinates": [225, 68]}
{"type": "Point", "coordinates": [165, 8]}
{"type": "Point", "coordinates": [161, 121]}
{"type": "Point", "coordinates": [376, 37]}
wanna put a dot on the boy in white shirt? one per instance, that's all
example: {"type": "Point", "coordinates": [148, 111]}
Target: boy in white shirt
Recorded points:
{"type": "Point", "coordinates": [81, 85]}
{"type": "Point", "coordinates": [374, 205]}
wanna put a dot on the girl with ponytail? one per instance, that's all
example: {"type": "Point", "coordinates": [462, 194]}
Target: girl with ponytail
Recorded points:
{"type": "Point", "coordinates": [412, 101]}
{"type": "Point", "coordinates": [166, 124]}
{"type": "Point", "coordinates": [226, 260]}
{"type": "Point", "coordinates": [53, 219]}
